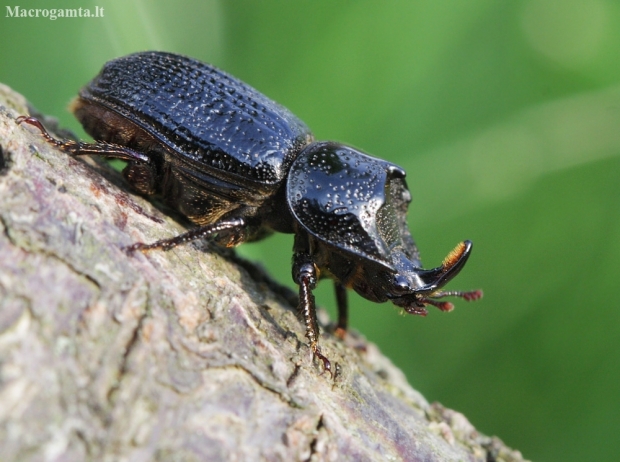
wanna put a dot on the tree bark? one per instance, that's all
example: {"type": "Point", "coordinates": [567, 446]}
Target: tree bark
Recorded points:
{"type": "Point", "coordinates": [178, 355]}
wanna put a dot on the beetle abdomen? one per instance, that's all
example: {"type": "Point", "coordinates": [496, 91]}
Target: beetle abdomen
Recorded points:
{"type": "Point", "coordinates": [207, 117]}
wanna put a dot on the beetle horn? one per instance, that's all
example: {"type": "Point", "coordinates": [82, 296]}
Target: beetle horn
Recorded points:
{"type": "Point", "coordinates": [450, 267]}
{"type": "Point", "coordinates": [436, 278]}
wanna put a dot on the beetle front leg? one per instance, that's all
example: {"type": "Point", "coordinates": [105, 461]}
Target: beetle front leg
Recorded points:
{"type": "Point", "coordinates": [305, 275]}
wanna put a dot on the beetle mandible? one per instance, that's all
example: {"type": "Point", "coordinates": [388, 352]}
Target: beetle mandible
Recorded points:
{"type": "Point", "coordinates": [241, 166]}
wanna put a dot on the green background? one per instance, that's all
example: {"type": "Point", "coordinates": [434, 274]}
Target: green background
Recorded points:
{"type": "Point", "coordinates": [506, 116]}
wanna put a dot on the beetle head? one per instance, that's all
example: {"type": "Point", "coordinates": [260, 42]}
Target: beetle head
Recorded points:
{"type": "Point", "coordinates": [354, 207]}
{"type": "Point", "coordinates": [413, 288]}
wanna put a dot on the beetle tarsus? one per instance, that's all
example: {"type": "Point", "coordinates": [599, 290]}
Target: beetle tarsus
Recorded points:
{"type": "Point", "coordinates": [327, 365]}
{"type": "Point", "coordinates": [44, 133]}
{"type": "Point", "coordinates": [306, 277]}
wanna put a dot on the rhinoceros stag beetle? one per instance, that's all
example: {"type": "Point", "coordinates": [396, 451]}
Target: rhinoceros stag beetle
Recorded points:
{"type": "Point", "coordinates": [240, 166]}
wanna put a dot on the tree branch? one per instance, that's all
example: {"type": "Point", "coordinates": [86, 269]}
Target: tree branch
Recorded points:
{"type": "Point", "coordinates": [182, 355]}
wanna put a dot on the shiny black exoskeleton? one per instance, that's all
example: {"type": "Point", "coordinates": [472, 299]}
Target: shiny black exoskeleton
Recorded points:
{"type": "Point", "coordinates": [241, 166]}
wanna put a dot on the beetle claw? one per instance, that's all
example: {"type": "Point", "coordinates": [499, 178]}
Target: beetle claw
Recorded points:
{"type": "Point", "coordinates": [44, 133]}
{"type": "Point", "coordinates": [327, 365]}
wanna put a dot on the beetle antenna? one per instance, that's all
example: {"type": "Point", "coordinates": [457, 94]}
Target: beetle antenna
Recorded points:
{"type": "Point", "coordinates": [465, 295]}
{"type": "Point", "coordinates": [445, 306]}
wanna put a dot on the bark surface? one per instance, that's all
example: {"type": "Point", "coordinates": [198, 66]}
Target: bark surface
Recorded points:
{"type": "Point", "coordinates": [178, 355]}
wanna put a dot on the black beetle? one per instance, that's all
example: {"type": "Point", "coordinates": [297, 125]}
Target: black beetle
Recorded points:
{"type": "Point", "coordinates": [241, 166]}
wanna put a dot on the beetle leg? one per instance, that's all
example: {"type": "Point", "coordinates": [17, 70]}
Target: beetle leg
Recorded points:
{"type": "Point", "coordinates": [343, 310]}
{"type": "Point", "coordinates": [78, 148]}
{"type": "Point", "coordinates": [306, 276]}
{"type": "Point", "coordinates": [236, 225]}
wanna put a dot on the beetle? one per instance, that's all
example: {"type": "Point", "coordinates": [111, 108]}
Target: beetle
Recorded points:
{"type": "Point", "coordinates": [240, 166]}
